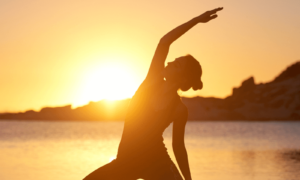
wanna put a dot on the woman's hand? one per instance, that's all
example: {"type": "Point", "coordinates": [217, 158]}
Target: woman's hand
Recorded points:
{"type": "Point", "coordinates": [208, 15]}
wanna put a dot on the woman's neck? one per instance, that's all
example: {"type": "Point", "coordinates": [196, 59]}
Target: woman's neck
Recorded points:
{"type": "Point", "coordinates": [170, 86]}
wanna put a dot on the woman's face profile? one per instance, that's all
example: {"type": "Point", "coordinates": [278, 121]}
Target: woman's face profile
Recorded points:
{"type": "Point", "coordinates": [174, 69]}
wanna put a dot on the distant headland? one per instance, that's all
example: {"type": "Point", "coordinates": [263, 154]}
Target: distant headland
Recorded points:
{"type": "Point", "coordinates": [275, 100]}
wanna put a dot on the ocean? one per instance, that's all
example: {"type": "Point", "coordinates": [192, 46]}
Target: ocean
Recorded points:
{"type": "Point", "coordinates": [61, 150]}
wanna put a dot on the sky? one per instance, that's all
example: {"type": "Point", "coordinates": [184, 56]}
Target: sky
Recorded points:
{"type": "Point", "coordinates": [59, 52]}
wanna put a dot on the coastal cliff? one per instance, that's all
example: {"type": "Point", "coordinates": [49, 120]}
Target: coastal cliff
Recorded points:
{"type": "Point", "coordinates": [275, 100]}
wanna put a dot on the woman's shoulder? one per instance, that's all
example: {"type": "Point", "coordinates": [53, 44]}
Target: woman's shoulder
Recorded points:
{"type": "Point", "coordinates": [147, 89]}
{"type": "Point", "coordinates": [151, 82]}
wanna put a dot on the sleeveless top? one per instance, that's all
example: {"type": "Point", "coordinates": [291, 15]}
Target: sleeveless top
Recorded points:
{"type": "Point", "coordinates": [142, 138]}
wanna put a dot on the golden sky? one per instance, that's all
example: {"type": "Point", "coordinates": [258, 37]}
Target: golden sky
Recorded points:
{"type": "Point", "coordinates": [58, 52]}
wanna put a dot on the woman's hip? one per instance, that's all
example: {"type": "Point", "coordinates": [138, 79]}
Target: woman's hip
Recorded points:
{"type": "Point", "coordinates": [163, 169]}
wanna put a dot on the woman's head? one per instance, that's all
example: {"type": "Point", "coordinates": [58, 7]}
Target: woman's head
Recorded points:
{"type": "Point", "coordinates": [186, 70]}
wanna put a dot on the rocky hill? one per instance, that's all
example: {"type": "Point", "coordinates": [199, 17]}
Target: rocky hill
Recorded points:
{"type": "Point", "coordinates": [94, 111]}
{"type": "Point", "coordinates": [275, 100]}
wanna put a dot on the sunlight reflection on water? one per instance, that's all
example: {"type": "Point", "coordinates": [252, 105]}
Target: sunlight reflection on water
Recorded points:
{"type": "Point", "coordinates": [219, 150]}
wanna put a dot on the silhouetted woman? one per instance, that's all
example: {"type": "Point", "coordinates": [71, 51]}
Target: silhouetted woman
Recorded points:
{"type": "Point", "coordinates": [155, 105]}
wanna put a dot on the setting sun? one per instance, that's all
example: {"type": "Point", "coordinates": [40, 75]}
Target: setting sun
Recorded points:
{"type": "Point", "coordinates": [111, 81]}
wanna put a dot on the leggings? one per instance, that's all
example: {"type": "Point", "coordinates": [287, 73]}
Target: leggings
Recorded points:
{"type": "Point", "coordinates": [116, 170]}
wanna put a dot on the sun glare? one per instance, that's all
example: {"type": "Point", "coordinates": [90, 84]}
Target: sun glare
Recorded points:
{"type": "Point", "coordinates": [111, 159]}
{"type": "Point", "coordinates": [110, 81]}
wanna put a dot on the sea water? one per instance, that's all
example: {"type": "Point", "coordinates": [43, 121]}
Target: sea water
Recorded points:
{"type": "Point", "coordinates": [44, 150]}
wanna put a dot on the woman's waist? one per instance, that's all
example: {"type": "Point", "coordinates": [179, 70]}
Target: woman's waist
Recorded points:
{"type": "Point", "coordinates": [142, 151]}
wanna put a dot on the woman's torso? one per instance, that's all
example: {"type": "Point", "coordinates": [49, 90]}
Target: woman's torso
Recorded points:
{"type": "Point", "coordinates": [149, 114]}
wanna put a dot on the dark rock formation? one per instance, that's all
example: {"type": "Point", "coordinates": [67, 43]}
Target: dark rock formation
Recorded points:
{"type": "Point", "coordinates": [276, 100]}
{"type": "Point", "coordinates": [94, 111]}
{"type": "Point", "coordinates": [290, 72]}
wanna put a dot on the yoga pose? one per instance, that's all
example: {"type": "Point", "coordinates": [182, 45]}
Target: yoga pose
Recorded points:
{"type": "Point", "coordinates": [155, 105]}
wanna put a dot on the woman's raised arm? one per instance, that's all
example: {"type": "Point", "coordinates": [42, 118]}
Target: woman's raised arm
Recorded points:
{"type": "Point", "coordinates": [162, 49]}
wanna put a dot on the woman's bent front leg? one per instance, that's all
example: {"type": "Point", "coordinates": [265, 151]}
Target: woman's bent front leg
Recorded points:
{"type": "Point", "coordinates": [111, 171]}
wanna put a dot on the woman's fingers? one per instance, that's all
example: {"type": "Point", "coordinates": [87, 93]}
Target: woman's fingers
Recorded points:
{"type": "Point", "coordinates": [216, 10]}
{"type": "Point", "coordinates": [209, 15]}
{"type": "Point", "coordinates": [214, 16]}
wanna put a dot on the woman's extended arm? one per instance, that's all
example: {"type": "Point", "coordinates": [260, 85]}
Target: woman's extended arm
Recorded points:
{"type": "Point", "coordinates": [178, 143]}
{"type": "Point", "coordinates": [169, 38]}
{"type": "Point", "coordinates": [162, 49]}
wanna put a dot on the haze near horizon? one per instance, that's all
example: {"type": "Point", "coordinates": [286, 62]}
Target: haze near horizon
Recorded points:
{"type": "Point", "coordinates": [54, 53]}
